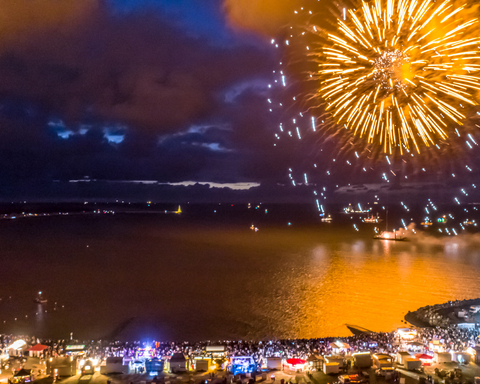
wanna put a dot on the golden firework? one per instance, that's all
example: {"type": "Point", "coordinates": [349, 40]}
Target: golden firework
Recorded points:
{"type": "Point", "coordinates": [399, 72]}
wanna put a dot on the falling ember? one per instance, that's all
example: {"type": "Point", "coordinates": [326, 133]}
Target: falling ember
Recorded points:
{"type": "Point", "coordinates": [399, 72]}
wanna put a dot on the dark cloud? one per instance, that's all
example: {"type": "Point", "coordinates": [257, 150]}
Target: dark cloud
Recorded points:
{"type": "Point", "coordinates": [188, 108]}
{"type": "Point", "coordinates": [23, 18]}
{"type": "Point", "coordinates": [234, 152]}
{"type": "Point", "coordinates": [134, 69]}
{"type": "Point", "coordinates": [38, 164]}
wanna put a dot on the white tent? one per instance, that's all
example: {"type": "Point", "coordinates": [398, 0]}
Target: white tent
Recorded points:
{"type": "Point", "coordinates": [402, 356]}
{"type": "Point", "coordinates": [274, 362]}
{"type": "Point", "coordinates": [178, 363]}
{"type": "Point", "coordinates": [331, 368]}
{"type": "Point", "coordinates": [442, 357]}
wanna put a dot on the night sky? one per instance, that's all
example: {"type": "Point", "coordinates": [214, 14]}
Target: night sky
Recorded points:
{"type": "Point", "coordinates": [141, 99]}
{"type": "Point", "coordinates": [127, 91]}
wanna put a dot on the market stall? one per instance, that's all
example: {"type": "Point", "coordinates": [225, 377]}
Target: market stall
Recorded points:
{"type": "Point", "coordinates": [296, 365]}
{"type": "Point", "coordinates": [38, 350]}
{"type": "Point", "coordinates": [425, 359]}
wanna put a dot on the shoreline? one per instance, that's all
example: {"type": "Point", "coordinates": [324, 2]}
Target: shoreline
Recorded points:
{"type": "Point", "coordinates": [411, 318]}
{"type": "Point", "coordinates": [443, 315]}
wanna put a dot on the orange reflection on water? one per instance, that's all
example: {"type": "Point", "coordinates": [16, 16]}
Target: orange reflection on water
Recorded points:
{"type": "Point", "coordinates": [373, 284]}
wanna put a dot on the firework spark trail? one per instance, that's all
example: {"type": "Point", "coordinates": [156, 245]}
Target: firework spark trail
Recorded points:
{"type": "Point", "coordinates": [396, 71]}
{"type": "Point", "coordinates": [331, 157]}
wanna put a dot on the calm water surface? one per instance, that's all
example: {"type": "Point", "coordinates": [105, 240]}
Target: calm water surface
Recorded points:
{"type": "Point", "coordinates": [164, 277]}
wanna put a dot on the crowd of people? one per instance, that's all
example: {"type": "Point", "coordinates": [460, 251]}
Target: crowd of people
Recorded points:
{"type": "Point", "coordinates": [453, 338]}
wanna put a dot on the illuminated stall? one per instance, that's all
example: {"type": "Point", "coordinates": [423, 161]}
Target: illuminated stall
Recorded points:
{"type": "Point", "coordinates": [362, 359]}
{"type": "Point", "coordinates": [178, 363]}
{"type": "Point", "coordinates": [75, 349]}
{"type": "Point", "coordinates": [113, 365]}
{"type": "Point", "coordinates": [295, 365]}
{"type": "Point", "coordinates": [335, 359]}
{"type": "Point", "coordinates": [442, 357]}
{"type": "Point", "coordinates": [331, 368]}
{"type": "Point", "coordinates": [340, 347]}
{"type": "Point", "coordinates": [215, 351]}
{"type": "Point", "coordinates": [16, 348]}
{"type": "Point", "coordinates": [412, 364]}
{"type": "Point", "coordinates": [383, 360]}
{"type": "Point", "coordinates": [472, 352]}
{"type": "Point", "coordinates": [38, 350]}
{"type": "Point", "coordinates": [414, 346]}
{"type": "Point", "coordinates": [436, 346]}
{"type": "Point", "coordinates": [402, 356]}
{"type": "Point", "coordinates": [242, 365]}
{"type": "Point", "coordinates": [154, 367]}
{"type": "Point", "coordinates": [425, 359]}
{"type": "Point", "coordinates": [201, 364]}
{"type": "Point", "coordinates": [218, 356]}
{"type": "Point", "coordinates": [136, 366]}
{"type": "Point", "coordinates": [406, 333]}
{"type": "Point", "coordinates": [144, 353]}
{"type": "Point", "coordinates": [461, 357]}
{"type": "Point", "coordinates": [315, 362]}
{"type": "Point", "coordinates": [274, 363]}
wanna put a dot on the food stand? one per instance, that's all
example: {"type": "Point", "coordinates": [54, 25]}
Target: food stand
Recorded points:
{"type": "Point", "coordinates": [242, 364]}
{"type": "Point", "coordinates": [296, 365]}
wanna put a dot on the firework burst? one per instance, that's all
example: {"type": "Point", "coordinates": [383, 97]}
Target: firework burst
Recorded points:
{"type": "Point", "coordinates": [400, 73]}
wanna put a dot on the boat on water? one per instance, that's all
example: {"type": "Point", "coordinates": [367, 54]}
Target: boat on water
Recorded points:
{"type": "Point", "coordinates": [386, 235]}
{"type": "Point", "coordinates": [469, 222]}
{"type": "Point", "coordinates": [393, 236]}
{"type": "Point", "coordinates": [327, 219]}
{"type": "Point", "coordinates": [372, 219]}
{"type": "Point", "coordinates": [427, 222]}
{"type": "Point", "coordinates": [350, 209]}
{"type": "Point", "coordinates": [442, 220]}
{"type": "Point", "coordinates": [40, 299]}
